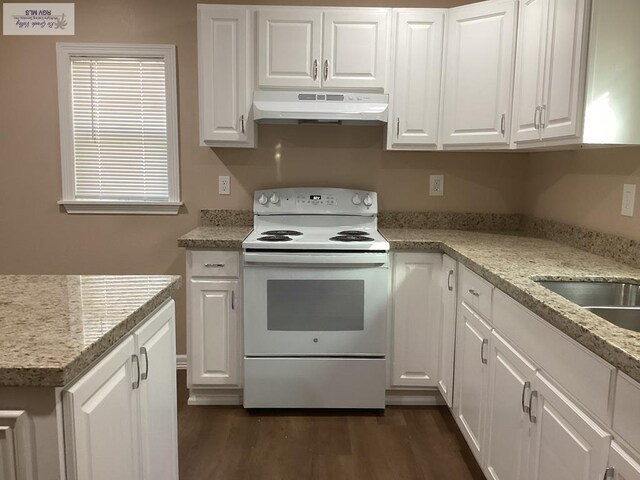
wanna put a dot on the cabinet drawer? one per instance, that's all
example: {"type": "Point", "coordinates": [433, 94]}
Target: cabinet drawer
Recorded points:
{"type": "Point", "coordinates": [476, 292]}
{"type": "Point", "coordinates": [626, 411]}
{"type": "Point", "coordinates": [203, 263]}
{"type": "Point", "coordinates": [583, 374]}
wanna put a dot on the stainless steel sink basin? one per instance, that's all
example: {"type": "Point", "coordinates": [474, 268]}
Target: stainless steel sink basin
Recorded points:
{"type": "Point", "coordinates": [618, 303]}
{"type": "Point", "coordinates": [625, 317]}
{"type": "Point", "coordinates": [596, 294]}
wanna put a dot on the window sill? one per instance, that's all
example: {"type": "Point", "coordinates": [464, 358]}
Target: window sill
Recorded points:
{"type": "Point", "coordinates": [120, 208]}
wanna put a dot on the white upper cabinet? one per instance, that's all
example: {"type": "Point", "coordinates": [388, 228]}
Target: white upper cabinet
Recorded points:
{"type": "Point", "coordinates": [355, 48]}
{"type": "Point", "coordinates": [479, 73]}
{"type": "Point", "coordinates": [550, 80]}
{"type": "Point", "coordinates": [310, 48]}
{"type": "Point", "coordinates": [289, 47]}
{"type": "Point", "coordinates": [225, 76]}
{"type": "Point", "coordinates": [415, 95]}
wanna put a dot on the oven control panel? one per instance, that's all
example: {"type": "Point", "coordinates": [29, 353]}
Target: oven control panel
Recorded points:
{"type": "Point", "coordinates": [315, 201]}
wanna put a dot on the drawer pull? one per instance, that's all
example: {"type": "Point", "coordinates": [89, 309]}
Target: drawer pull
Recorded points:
{"type": "Point", "coordinates": [525, 387]}
{"type": "Point", "coordinates": [473, 292]}
{"type": "Point", "coordinates": [532, 418]}
{"type": "Point", "coordinates": [136, 383]}
{"type": "Point", "coordinates": [449, 277]}
{"type": "Point", "coordinates": [145, 354]}
{"type": "Point", "coordinates": [214, 265]}
{"type": "Point", "coordinates": [485, 342]}
{"type": "Point", "coordinates": [233, 299]}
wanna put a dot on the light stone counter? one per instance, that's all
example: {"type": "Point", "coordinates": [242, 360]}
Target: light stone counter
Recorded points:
{"type": "Point", "coordinates": [52, 327]}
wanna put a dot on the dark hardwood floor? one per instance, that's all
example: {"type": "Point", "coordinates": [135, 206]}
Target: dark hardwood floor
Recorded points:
{"type": "Point", "coordinates": [404, 443]}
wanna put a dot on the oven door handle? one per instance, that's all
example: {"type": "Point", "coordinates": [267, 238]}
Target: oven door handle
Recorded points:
{"type": "Point", "coordinates": [264, 259]}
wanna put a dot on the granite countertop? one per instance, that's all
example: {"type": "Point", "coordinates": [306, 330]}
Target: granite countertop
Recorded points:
{"type": "Point", "coordinates": [52, 327]}
{"type": "Point", "coordinates": [511, 261]}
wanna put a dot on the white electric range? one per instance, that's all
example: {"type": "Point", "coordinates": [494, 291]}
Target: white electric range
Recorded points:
{"type": "Point", "coordinates": [316, 283]}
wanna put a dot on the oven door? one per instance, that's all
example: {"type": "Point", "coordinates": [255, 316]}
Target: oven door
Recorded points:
{"type": "Point", "coordinates": [315, 304]}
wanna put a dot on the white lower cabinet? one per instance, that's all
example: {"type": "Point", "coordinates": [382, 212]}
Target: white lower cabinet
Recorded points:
{"type": "Point", "coordinates": [568, 445]}
{"type": "Point", "coordinates": [508, 424]}
{"type": "Point", "coordinates": [471, 377]}
{"type": "Point", "coordinates": [416, 319]}
{"type": "Point", "coordinates": [621, 465]}
{"type": "Point", "coordinates": [120, 417]}
{"type": "Point", "coordinates": [447, 330]}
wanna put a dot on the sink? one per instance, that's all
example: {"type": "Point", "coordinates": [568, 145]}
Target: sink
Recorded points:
{"type": "Point", "coordinates": [616, 302]}
{"type": "Point", "coordinates": [596, 294]}
{"type": "Point", "coordinates": [625, 317]}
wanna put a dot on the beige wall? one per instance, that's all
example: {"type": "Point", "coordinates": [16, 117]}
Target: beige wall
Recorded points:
{"type": "Point", "coordinates": [37, 237]}
{"type": "Point", "coordinates": [584, 188]}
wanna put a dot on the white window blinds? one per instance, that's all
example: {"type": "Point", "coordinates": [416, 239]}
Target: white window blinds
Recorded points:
{"type": "Point", "coordinates": [120, 138]}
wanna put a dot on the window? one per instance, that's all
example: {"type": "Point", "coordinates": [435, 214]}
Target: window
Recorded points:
{"type": "Point", "coordinates": [118, 128]}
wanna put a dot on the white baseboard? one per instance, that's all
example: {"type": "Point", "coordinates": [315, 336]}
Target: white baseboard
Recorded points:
{"type": "Point", "coordinates": [408, 398]}
{"type": "Point", "coordinates": [181, 361]}
{"type": "Point", "coordinates": [210, 396]}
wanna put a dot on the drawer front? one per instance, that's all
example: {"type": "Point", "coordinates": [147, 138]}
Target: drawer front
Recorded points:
{"type": "Point", "coordinates": [586, 376]}
{"type": "Point", "coordinates": [626, 412]}
{"type": "Point", "coordinates": [205, 263]}
{"type": "Point", "coordinates": [476, 292]}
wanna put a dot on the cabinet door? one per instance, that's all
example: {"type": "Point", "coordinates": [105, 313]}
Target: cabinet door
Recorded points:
{"type": "Point", "coordinates": [479, 73]}
{"type": "Point", "coordinates": [215, 333]}
{"type": "Point", "coordinates": [416, 318]}
{"type": "Point", "coordinates": [289, 47]}
{"type": "Point", "coordinates": [563, 97]}
{"type": "Point", "coordinates": [415, 100]}
{"type": "Point", "coordinates": [568, 445]}
{"type": "Point", "coordinates": [102, 419]}
{"type": "Point", "coordinates": [471, 377]}
{"type": "Point", "coordinates": [447, 336]}
{"type": "Point", "coordinates": [158, 402]}
{"type": "Point", "coordinates": [508, 425]}
{"type": "Point", "coordinates": [621, 465]}
{"type": "Point", "coordinates": [532, 42]}
{"type": "Point", "coordinates": [355, 48]}
{"type": "Point", "coordinates": [225, 76]}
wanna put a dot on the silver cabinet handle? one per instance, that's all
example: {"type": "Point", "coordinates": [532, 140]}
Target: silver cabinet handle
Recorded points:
{"type": "Point", "coordinates": [326, 69]}
{"type": "Point", "coordinates": [609, 473]}
{"type": "Point", "coordinates": [214, 265]}
{"type": "Point", "coordinates": [242, 123]}
{"type": "Point", "coordinates": [145, 354]}
{"type": "Point", "coordinates": [525, 387]}
{"type": "Point", "coordinates": [503, 120]}
{"type": "Point", "coordinates": [449, 277]}
{"type": "Point", "coordinates": [136, 383]}
{"type": "Point", "coordinates": [532, 417]}
{"type": "Point", "coordinates": [233, 299]}
{"type": "Point", "coordinates": [485, 342]}
{"type": "Point", "coordinates": [543, 109]}
{"type": "Point", "coordinates": [398, 128]}
{"type": "Point", "coordinates": [473, 292]}
{"type": "Point", "coordinates": [536, 124]}
{"type": "Point", "coordinates": [315, 69]}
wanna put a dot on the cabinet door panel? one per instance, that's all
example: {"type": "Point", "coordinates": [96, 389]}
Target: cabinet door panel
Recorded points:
{"type": "Point", "coordinates": [479, 73]}
{"type": "Point", "coordinates": [530, 69]}
{"type": "Point", "coordinates": [355, 49]}
{"type": "Point", "coordinates": [214, 333]}
{"type": "Point", "coordinates": [416, 317]}
{"type": "Point", "coordinates": [447, 329]}
{"type": "Point", "coordinates": [225, 75]}
{"type": "Point", "coordinates": [289, 45]}
{"type": "Point", "coordinates": [101, 412]}
{"type": "Point", "coordinates": [568, 445]}
{"type": "Point", "coordinates": [562, 108]}
{"type": "Point", "coordinates": [624, 466]}
{"type": "Point", "coordinates": [418, 71]}
{"type": "Point", "coordinates": [508, 426]}
{"type": "Point", "coordinates": [472, 336]}
{"type": "Point", "coordinates": [158, 401]}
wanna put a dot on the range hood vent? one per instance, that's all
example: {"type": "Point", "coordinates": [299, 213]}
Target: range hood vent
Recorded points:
{"type": "Point", "coordinates": [321, 108]}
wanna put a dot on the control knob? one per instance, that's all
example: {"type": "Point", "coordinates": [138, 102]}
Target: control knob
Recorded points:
{"type": "Point", "coordinates": [368, 201]}
{"type": "Point", "coordinates": [274, 199]}
{"type": "Point", "coordinates": [356, 199]}
{"type": "Point", "coordinates": [262, 200]}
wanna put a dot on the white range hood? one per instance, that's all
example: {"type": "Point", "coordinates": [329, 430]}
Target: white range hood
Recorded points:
{"type": "Point", "coordinates": [320, 107]}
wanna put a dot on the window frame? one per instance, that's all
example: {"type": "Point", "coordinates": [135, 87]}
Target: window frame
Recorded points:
{"type": "Point", "coordinates": [65, 52]}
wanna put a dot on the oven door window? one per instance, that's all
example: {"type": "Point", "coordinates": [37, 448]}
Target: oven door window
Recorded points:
{"type": "Point", "coordinates": [315, 305]}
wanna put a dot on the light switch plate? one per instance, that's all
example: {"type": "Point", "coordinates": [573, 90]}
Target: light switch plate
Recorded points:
{"type": "Point", "coordinates": [224, 185]}
{"type": "Point", "coordinates": [436, 185]}
{"type": "Point", "coordinates": [628, 200]}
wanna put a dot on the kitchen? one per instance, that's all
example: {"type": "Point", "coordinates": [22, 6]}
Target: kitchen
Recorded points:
{"type": "Point", "coordinates": [570, 195]}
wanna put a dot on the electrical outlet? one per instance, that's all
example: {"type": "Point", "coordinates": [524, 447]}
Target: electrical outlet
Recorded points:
{"type": "Point", "coordinates": [224, 185]}
{"type": "Point", "coordinates": [436, 185]}
{"type": "Point", "coordinates": [628, 200]}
